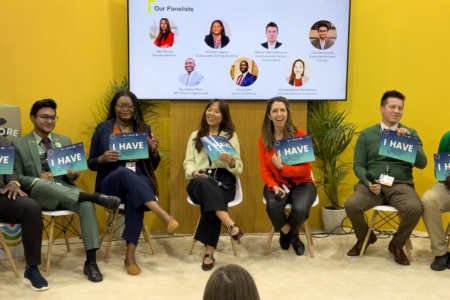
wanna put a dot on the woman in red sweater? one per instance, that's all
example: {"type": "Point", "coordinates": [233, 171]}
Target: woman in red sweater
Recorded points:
{"type": "Point", "coordinates": [165, 36]}
{"type": "Point", "coordinates": [294, 183]}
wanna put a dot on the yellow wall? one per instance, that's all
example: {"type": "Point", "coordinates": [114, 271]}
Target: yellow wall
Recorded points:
{"type": "Point", "coordinates": [69, 50]}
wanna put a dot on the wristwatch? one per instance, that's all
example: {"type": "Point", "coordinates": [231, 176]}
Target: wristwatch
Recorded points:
{"type": "Point", "coordinates": [16, 182]}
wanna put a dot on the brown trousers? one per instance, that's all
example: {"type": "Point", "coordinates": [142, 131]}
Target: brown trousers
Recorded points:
{"type": "Point", "coordinates": [400, 195]}
{"type": "Point", "coordinates": [435, 202]}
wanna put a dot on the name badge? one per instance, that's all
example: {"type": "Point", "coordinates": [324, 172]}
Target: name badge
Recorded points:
{"type": "Point", "coordinates": [131, 165]}
{"type": "Point", "coordinates": [386, 180]}
{"type": "Point", "coordinates": [286, 189]}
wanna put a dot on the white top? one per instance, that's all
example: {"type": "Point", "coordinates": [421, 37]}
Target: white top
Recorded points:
{"type": "Point", "coordinates": [384, 126]}
{"type": "Point", "coordinates": [271, 47]}
{"type": "Point", "coordinates": [322, 44]}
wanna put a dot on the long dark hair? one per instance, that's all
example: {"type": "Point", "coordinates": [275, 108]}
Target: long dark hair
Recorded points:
{"type": "Point", "coordinates": [226, 124]}
{"type": "Point", "coordinates": [139, 124]}
{"type": "Point", "coordinates": [222, 33]}
{"type": "Point", "coordinates": [161, 35]}
{"type": "Point", "coordinates": [231, 282]}
{"type": "Point", "coordinates": [268, 128]}
{"type": "Point", "coordinates": [292, 78]}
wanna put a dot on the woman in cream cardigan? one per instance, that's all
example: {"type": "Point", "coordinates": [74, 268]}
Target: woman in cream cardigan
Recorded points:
{"type": "Point", "coordinates": [213, 200]}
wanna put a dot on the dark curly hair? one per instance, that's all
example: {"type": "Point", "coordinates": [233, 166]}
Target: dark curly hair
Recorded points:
{"type": "Point", "coordinates": [41, 104]}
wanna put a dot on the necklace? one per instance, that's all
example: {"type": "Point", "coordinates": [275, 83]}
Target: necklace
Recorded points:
{"type": "Point", "coordinates": [124, 130]}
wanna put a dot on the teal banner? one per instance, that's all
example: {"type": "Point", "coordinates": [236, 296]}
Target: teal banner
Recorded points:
{"type": "Point", "coordinates": [398, 147]}
{"type": "Point", "coordinates": [72, 157]}
{"type": "Point", "coordinates": [130, 145]}
{"type": "Point", "coordinates": [215, 145]}
{"type": "Point", "coordinates": [442, 165]}
{"type": "Point", "coordinates": [6, 160]}
{"type": "Point", "coordinates": [295, 150]}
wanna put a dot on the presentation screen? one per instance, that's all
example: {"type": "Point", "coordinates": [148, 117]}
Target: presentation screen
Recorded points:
{"type": "Point", "coordinates": [238, 50]}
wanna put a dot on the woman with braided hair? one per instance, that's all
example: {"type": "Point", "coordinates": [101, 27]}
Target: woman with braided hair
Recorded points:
{"type": "Point", "coordinates": [134, 182]}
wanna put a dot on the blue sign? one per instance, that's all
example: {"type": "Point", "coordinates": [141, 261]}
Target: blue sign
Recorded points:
{"type": "Point", "coordinates": [130, 145]}
{"type": "Point", "coordinates": [442, 165]}
{"type": "Point", "coordinates": [6, 160]}
{"type": "Point", "coordinates": [215, 145]}
{"type": "Point", "coordinates": [72, 157]}
{"type": "Point", "coordinates": [398, 147]}
{"type": "Point", "coordinates": [295, 150]}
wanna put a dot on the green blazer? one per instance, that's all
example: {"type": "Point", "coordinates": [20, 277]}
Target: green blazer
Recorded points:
{"type": "Point", "coordinates": [27, 161]}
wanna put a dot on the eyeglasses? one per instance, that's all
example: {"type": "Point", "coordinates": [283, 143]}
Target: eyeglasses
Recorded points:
{"type": "Point", "coordinates": [46, 118]}
{"type": "Point", "coordinates": [323, 31]}
{"type": "Point", "coordinates": [122, 107]}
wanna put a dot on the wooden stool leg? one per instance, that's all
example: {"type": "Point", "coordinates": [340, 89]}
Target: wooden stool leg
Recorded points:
{"type": "Point", "coordinates": [8, 254]}
{"type": "Point", "coordinates": [66, 235]}
{"type": "Point", "coordinates": [366, 240]}
{"type": "Point", "coordinates": [269, 241]}
{"type": "Point", "coordinates": [111, 233]}
{"type": "Point", "coordinates": [446, 234]}
{"type": "Point", "coordinates": [233, 244]}
{"type": "Point", "coordinates": [23, 258]}
{"type": "Point", "coordinates": [50, 243]}
{"type": "Point", "coordinates": [231, 216]}
{"type": "Point", "coordinates": [149, 238]}
{"type": "Point", "coordinates": [193, 240]}
{"type": "Point", "coordinates": [78, 225]}
{"type": "Point", "coordinates": [308, 238]}
{"type": "Point", "coordinates": [111, 213]}
{"type": "Point", "coordinates": [144, 234]}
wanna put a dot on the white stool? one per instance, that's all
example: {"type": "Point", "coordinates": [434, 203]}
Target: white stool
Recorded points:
{"type": "Point", "coordinates": [64, 228]}
{"type": "Point", "coordinates": [8, 253]}
{"type": "Point", "coordinates": [390, 209]}
{"type": "Point", "coordinates": [307, 230]}
{"type": "Point", "coordinates": [237, 199]}
{"type": "Point", "coordinates": [145, 231]}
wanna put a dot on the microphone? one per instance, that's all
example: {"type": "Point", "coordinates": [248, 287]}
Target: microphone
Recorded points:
{"type": "Point", "coordinates": [372, 180]}
{"type": "Point", "coordinates": [46, 166]}
{"type": "Point", "coordinates": [278, 196]}
{"type": "Point", "coordinates": [220, 184]}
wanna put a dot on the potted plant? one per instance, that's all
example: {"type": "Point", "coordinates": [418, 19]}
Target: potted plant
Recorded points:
{"type": "Point", "coordinates": [331, 136]}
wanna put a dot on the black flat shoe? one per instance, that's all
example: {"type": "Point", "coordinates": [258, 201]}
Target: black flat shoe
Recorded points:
{"type": "Point", "coordinates": [285, 240]}
{"type": "Point", "coordinates": [297, 244]}
{"type": "Point", "coordinates": [440, 263]}
{"type": "Point", "coordinates": [92, 272]}
{"type": "Point", "coordinates": [207, 267]}
{"type": "Point", "coordinates": [110, 202]}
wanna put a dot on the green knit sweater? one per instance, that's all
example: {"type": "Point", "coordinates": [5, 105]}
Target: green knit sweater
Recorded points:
{"type": "Point", "coordinates": [367, 159]}
{"type": "Point", "coordinates": [444, 145]}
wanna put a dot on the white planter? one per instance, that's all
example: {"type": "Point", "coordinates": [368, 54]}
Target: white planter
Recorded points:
{"type": "Point", "coordinates": [332, 219]}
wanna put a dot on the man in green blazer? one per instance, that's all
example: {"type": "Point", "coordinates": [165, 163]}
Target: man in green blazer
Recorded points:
{"type": "Point", "coordinates": [60, 192]}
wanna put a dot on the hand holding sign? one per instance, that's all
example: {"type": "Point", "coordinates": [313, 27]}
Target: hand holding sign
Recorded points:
{"type": "Point", "coordinates": [72, 174]}
{"type": "Point", "coordinates": [227, 158]}
{"type": "Point", "coordinates": [153, 142]}
{"type": "Point", "coordinates": [402, 131]}
{"type": "Point", "coordinates": [130, 145]}
{"type": "Point", "coordinates": [276, 159]}
{"type": "Point", "coordinates": [109, 156]}
{"type": "Point", "coordinates": [294, 150]}
{"type": "Point", "coordinates": [65, 160]}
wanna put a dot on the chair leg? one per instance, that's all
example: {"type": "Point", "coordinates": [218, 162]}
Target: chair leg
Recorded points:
{"type": "Point", "coordinates": [233, 244]}
{"type": "Point", "coordinates": [309, 238]}
{"type": "Point", "coordinates": [366, 240]}
{"type": "Point", "coordinates": [78, 225]}
{"type": "Point", "coordinates": [50, 243]}
{"type": "Point", "coordinates": [111, 233]}
{"type": "Point", "coordinates": [111, 213]}
{"type": "Point", "coordinates": [408, 243]}
{"type": "Point", "coordinates": [269, 241]}
{"type": "Point", "coordinates": [66, 235]}
{"type": "Point", "coordinates": [447, 233]}
{"type": "Point", "coordinates": [149, 238]}
{"type": "Point", "coordinates": [194, 240]}
{"type": "Point", "coordinates": [8, 254]}
{"type": "Point", "coordinates": [144, 234]}
{"type": "Point", "coordinates": [23, 258]}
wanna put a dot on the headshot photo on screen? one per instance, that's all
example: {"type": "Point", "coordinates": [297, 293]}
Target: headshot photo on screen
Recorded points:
{"type": "Point", "coordinates": [244, 72]}
{"type": "Point", "coordinates": [164, 33]}
{"type": "Point", "coordinates": [297, 72]}
{"type": "Point", "coordinates": [323, 35]}
{"type": "Point", "coordinates": [272, 35]}
{"type": "Point", "coordinates": [217, 34]}
{"type": "Point", "coordinates": [191, 77]}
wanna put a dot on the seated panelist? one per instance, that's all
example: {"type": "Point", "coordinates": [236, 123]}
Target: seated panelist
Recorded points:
{"type": "Point", "coordinates": [293, 184]}
{"type": "Point", "coordinates": [17, 208]}
{"type": "Point", "coordinates": [435, 202]}
{"type": "Point", "coordinates": [60, 192]}
{"type": "Point", "coordinates": [213, 200]}
{"type": "Point", "coordinates": [134, 181]}
{"type": "Point", "coordinates": [401, 194]}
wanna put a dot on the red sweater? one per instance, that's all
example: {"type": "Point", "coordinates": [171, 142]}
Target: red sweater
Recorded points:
{"type": "Point", "coordinates": [272, 176]}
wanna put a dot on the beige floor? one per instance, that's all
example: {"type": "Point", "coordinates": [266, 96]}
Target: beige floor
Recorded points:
{"type": "Point", "coordinates": [172, 274]}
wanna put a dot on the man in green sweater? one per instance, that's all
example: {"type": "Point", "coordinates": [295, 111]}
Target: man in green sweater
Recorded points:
{"type": "Point", "coordinates": [435, 202]}
{"type": "Point", "coordinates": [400, 195]}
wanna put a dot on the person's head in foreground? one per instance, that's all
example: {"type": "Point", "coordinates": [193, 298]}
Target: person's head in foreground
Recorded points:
{"type": "Point", "coordinates": [231, 282]}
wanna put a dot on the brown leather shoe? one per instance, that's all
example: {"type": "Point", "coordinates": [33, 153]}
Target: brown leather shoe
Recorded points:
{"type": "Point", "coordinates": [207, 267]}
{"type": "Point", "coordinates": [399, 256]}
{"type": "Point", "coordinates": [356, 250]}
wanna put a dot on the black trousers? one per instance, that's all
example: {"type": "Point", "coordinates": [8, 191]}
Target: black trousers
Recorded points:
{"type": "Point", "coordinates": [26, 212]}
{"type": "Point", "coordinates": [301, 198]}
{"type": "Point", "coordinates": [211, 198]}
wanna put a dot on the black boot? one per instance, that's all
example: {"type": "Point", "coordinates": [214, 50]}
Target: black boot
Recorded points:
{"type": "Point", "coordinates": [297, 244]}
{"type": "Point", "coordinates": [285, 240]}
{"type": "Point", "coordinates": [440, 263]}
